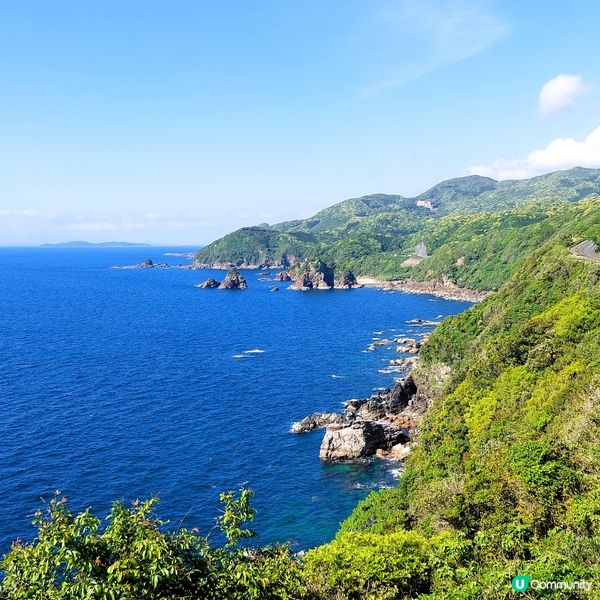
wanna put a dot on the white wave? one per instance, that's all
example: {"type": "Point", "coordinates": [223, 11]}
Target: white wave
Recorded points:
{"type": "Point", "coordinates": [255, 351]}
{"type": "Point", "coordinates": [239, 356]}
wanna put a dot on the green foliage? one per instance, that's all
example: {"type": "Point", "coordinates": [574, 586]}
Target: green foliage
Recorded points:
{"type": "Point", "coordinates": [368, 565]}
{"type": "Point", "coordinates": [255, 246]}
{"type": "Point", "coordinates": [237, 511]}
{"type": "Point", "coordinates": [133, 558]}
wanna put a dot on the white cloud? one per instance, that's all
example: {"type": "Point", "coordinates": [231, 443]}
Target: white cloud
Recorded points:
{"type": "Point", "coordinates": [561, 153]}
{"type": "Point", "coordinates": [411, 38]}
{"type": "Point", "coordinates": [560, 93]}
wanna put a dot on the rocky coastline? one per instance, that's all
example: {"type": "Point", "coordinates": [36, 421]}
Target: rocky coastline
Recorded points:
{"type": "Point", "coordinates": [385, 424]}
{"type": "Point", "coordinates": [381, 425]}
{"type": "Point", "coordinates": [316, 275]}
{"type": "Point", "coordinates": [443, 289]}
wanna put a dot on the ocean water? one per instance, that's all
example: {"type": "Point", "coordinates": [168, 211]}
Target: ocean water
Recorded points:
{"type": "Point", "coordinates": [121, 384]}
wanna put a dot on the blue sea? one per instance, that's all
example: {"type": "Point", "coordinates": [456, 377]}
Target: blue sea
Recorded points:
{"type": "Point", "coordinates": [122, 384]}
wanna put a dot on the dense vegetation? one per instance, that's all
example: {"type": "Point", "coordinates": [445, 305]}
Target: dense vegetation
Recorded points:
{"type": "Point", "coordinates": [475, 229]}
{"type": "Point", "coordinates": [504, 479]}
{"type": "Point", "coordinates": [134, 557]}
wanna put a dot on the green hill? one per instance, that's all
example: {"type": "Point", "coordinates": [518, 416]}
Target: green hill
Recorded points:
{"type": "Point", "coordinates": [255, 246]}
{"type": "Point", "coordinates": [374, 235]}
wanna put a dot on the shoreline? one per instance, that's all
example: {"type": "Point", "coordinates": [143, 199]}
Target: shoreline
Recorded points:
{"type": "Point", "coordinates": [441, 289]}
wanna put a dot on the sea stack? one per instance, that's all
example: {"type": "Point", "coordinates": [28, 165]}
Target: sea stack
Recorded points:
{"type": "Point", "coordinates": [234, 281]}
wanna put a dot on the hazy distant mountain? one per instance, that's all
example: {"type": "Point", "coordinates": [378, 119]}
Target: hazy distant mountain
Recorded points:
{"type": "Point", "coordinates": [80, 244]}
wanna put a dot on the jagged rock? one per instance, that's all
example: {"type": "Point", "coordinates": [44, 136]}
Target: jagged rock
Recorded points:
{"type": "Point", "coordinates": [366, 426]}
{"type": "Point", "coordinates": [405, 340]}
{"type": "Point", "coordinates": [315, 421]}
{"type": "Point", "coordinates": [346, 281]}
{"type": "Point", "coordinates": [360, 439]}
{"type": "Point", "coordinates": [234, 281]}
{"type": "Point", "coordinates": [402, 362]}
{"type": "Point", "coordinates": [313, 275]}
{"type": "Point", "coordinates": [283, 276]}
{"type": "Point", "coordinates": [210, 283]}
{"type": "Point", "coordinates": [146, 263]}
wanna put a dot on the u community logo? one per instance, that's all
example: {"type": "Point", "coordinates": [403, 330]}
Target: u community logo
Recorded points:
{"type": "Point", "coordinates": [520, 583]}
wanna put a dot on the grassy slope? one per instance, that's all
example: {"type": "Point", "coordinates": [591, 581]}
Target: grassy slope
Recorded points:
{"type": "Point", "coordinates": [505, 479]}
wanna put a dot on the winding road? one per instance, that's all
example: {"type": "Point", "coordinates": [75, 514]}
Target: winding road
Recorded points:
{"type": "Point", "coordinates": [587, 250]}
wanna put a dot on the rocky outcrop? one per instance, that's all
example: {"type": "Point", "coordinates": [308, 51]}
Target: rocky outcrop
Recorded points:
{"type": "Point", "coordinates": [361, 438]}
{"type": "Point", "coordinates": [315, 421]}
{"type": "Point", "coordinates": [210, 283]}
{"type": "Point", "coordinates": [347, 281]}
{"type": "Point", "coordinates": [443, 289]}
{"type": "Point", "coordinates": [147, 263]}
{"type": "Point", "coordinates": [317, 275]}
{"type": "Point", "coordinates": [234, 281]}
{"type": "Point", "coordinates": [381, 424]}
{"type": "Point", "coordinates": [313, 275]}
{"type": "Point", "coordinates": [283, 276]}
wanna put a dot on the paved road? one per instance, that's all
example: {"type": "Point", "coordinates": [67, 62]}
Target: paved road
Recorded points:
{"type": "Point", "coordinates": [586, 250]}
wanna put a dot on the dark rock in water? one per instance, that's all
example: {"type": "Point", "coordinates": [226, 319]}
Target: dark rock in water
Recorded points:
{"type": "Point", "coordinates": [315, 421]}
{"type": "Point", "coordinates": [370, 426]}
{"type": "Point", "coordinates": [362, 438]}
{"type": "Point", "coordinates": [209, 283]}
{"type": "Point", "coordinates": [274, 288]}
{"type": "Point", "coordinates": [283, 276]}
{"type": "Point", "coordinates": [314, 275]}
{"type": "Point", "coordinates": [234, 281]}
{"type": "Point", "coordinates": [346, 281]}
{"type": "Point", "coordinates": [146, 263]}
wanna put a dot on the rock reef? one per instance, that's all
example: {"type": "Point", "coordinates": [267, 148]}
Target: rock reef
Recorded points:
{"type": "Point", "coordinates": [210, 283]}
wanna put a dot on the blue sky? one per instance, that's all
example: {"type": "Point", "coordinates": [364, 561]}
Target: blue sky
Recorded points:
{"type": "Point", "coordinates": [177, 121]}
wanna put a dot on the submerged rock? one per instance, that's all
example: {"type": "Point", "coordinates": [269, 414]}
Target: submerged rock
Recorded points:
{"type": "Point", "coordinates": [234, 281]}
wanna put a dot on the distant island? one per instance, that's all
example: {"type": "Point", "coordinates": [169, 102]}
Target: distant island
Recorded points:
{"type": "Point", "coordinates": [80, 244]}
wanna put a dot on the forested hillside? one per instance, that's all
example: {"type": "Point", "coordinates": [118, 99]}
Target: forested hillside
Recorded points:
{"type": "Point", "coordinates": [474, 231]}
